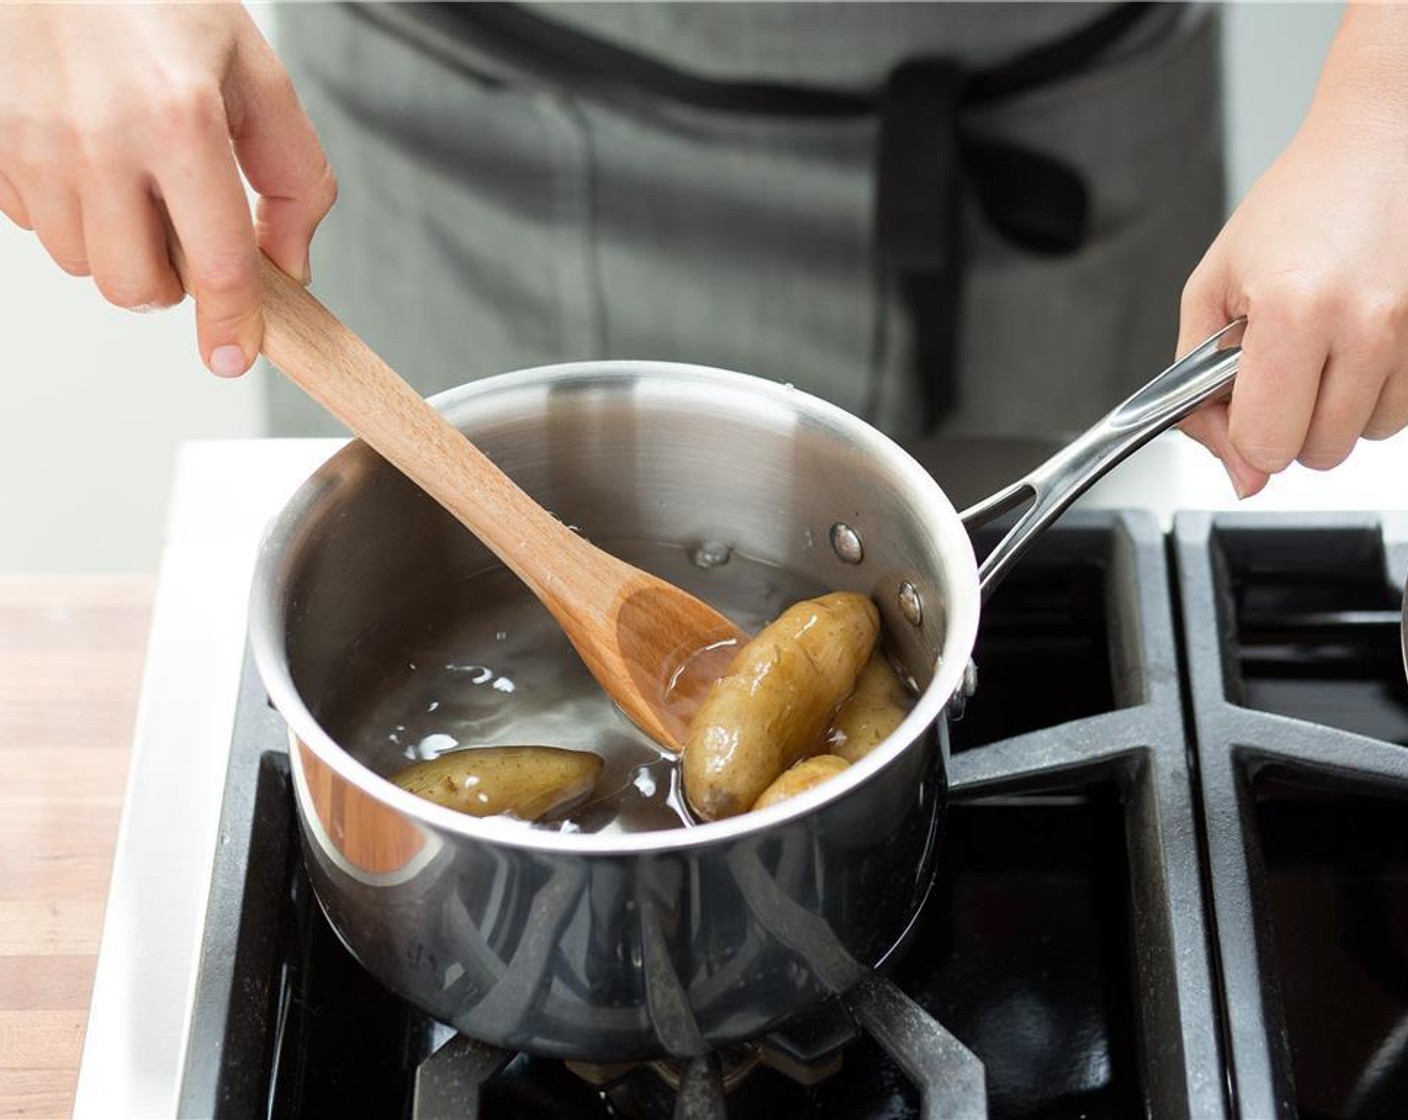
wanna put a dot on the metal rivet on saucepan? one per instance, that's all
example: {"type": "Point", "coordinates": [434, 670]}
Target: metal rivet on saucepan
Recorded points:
{"type": "Point", "coordinates": [911, 606]}
{"type": "Point", "coordinates": [711, 554]}
{"type": "Point", "coordinates": [845, 542]}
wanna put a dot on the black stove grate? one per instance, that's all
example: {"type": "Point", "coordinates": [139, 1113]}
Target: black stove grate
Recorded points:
{"type": "Point", "coordinates": [1300, 715]}
{"type": "Point", "coordinates": [1139, 747]}
{"type": "Point", "coordinates": [1064, 943]}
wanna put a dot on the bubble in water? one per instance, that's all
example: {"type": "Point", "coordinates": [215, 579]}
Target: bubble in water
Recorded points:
{"type": "Point", "coordinates": [711, 554]}
{"type": "Point", "coordinates": [503, 684]}
{"type": "Point", "coordinates": [500, 635]}
{"type": "Point", "coordinates": [644, 781]}
{"type": "Point", "coordinates": [436, 744]}
{"type": "Point", "coordinates": [479, 674]}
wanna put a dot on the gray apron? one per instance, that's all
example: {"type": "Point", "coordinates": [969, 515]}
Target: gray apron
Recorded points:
{"type": "Point", "coordinates": [494, 214]}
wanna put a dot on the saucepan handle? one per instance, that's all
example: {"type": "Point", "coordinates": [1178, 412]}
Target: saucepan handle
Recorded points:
{"type": "Point", "coordinates": [1198, 376]}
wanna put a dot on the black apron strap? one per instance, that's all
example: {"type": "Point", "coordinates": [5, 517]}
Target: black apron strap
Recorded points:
{"type": "Point", "coordinates": [917, 243]}
{"type": "Point", "coordinates": [927, 165]}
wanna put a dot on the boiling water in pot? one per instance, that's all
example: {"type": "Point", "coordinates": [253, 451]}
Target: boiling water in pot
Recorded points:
{"type": "Point", "coordinates": [486, 665]}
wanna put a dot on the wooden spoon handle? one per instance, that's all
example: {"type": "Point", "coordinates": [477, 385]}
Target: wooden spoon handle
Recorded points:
{"type": "Point", "coordinates": [636, 634]}
{"type": "Point", "coordinates": [342, 373]}
{"type": "Point", "coordinates": [318, 352]}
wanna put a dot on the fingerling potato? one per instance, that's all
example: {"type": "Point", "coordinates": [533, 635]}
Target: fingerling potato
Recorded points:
{"type": "Point", "coordinates": [877, 706]}
{"type": "Point", "coordinates": [805, 774]}
{"type": "Point", "coordinates": [528, 782]}
{"type": "Point", "coordinates": [775, 701]}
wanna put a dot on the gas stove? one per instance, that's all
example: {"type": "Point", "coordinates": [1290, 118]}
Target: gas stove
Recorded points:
{"type": "Point", "coordinates": [1174, 879]}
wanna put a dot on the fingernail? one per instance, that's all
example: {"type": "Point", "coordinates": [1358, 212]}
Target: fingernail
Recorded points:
{"type": "Point", "coordinates": [1237, 484]}
{"type": "Point", "coordinates": [227, 361]}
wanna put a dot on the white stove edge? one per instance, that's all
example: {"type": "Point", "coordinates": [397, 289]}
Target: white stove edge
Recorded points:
{"type": "Point", "coordinates": [224, 495]}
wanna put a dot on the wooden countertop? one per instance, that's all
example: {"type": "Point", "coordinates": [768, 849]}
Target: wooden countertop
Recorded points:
{"type": "Point", "coordinates": [71, 652]}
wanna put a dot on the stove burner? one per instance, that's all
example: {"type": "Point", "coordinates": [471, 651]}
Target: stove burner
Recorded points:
{"type": "Point", "coordinates": [735, 1063]}
{"type": "Point", "coordinates": [950, 1078]}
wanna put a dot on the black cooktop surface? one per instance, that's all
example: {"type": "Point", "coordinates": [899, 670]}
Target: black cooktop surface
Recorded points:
{"type": "Point", "coordinates": [1174, 879]}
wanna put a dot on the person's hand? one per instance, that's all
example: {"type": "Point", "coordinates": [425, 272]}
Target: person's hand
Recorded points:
{"type": "Point", "coordinates": [1316, 258]}
{"type": "Point", "coordinates": [107, 112]}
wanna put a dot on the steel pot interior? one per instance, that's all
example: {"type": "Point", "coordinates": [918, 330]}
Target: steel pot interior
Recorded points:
{"type": "Point", "coordinates": [626, 451]}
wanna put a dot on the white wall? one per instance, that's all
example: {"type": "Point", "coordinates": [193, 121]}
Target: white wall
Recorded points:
{"type": "Point", "coordinates": [1271, 60]}
{"type": "Point", "coordinates": [93, 400]}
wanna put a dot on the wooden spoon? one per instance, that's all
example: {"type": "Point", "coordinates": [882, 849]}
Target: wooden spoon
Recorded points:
{"type": "Point", "coordinates": [654, 648]}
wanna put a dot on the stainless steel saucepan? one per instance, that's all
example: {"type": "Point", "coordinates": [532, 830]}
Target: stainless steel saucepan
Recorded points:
{"type": "Point", "coordinates": [614, 947]}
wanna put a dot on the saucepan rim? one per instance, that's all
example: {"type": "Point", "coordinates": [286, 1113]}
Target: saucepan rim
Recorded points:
{"type": "Point", "coordinates": [952, 543]}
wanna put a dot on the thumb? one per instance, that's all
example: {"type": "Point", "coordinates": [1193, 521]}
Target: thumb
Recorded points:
{"type": "Point", "coordinates": [1206, 309]}
{"type": "Point", "coordinates": [279, 153]}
